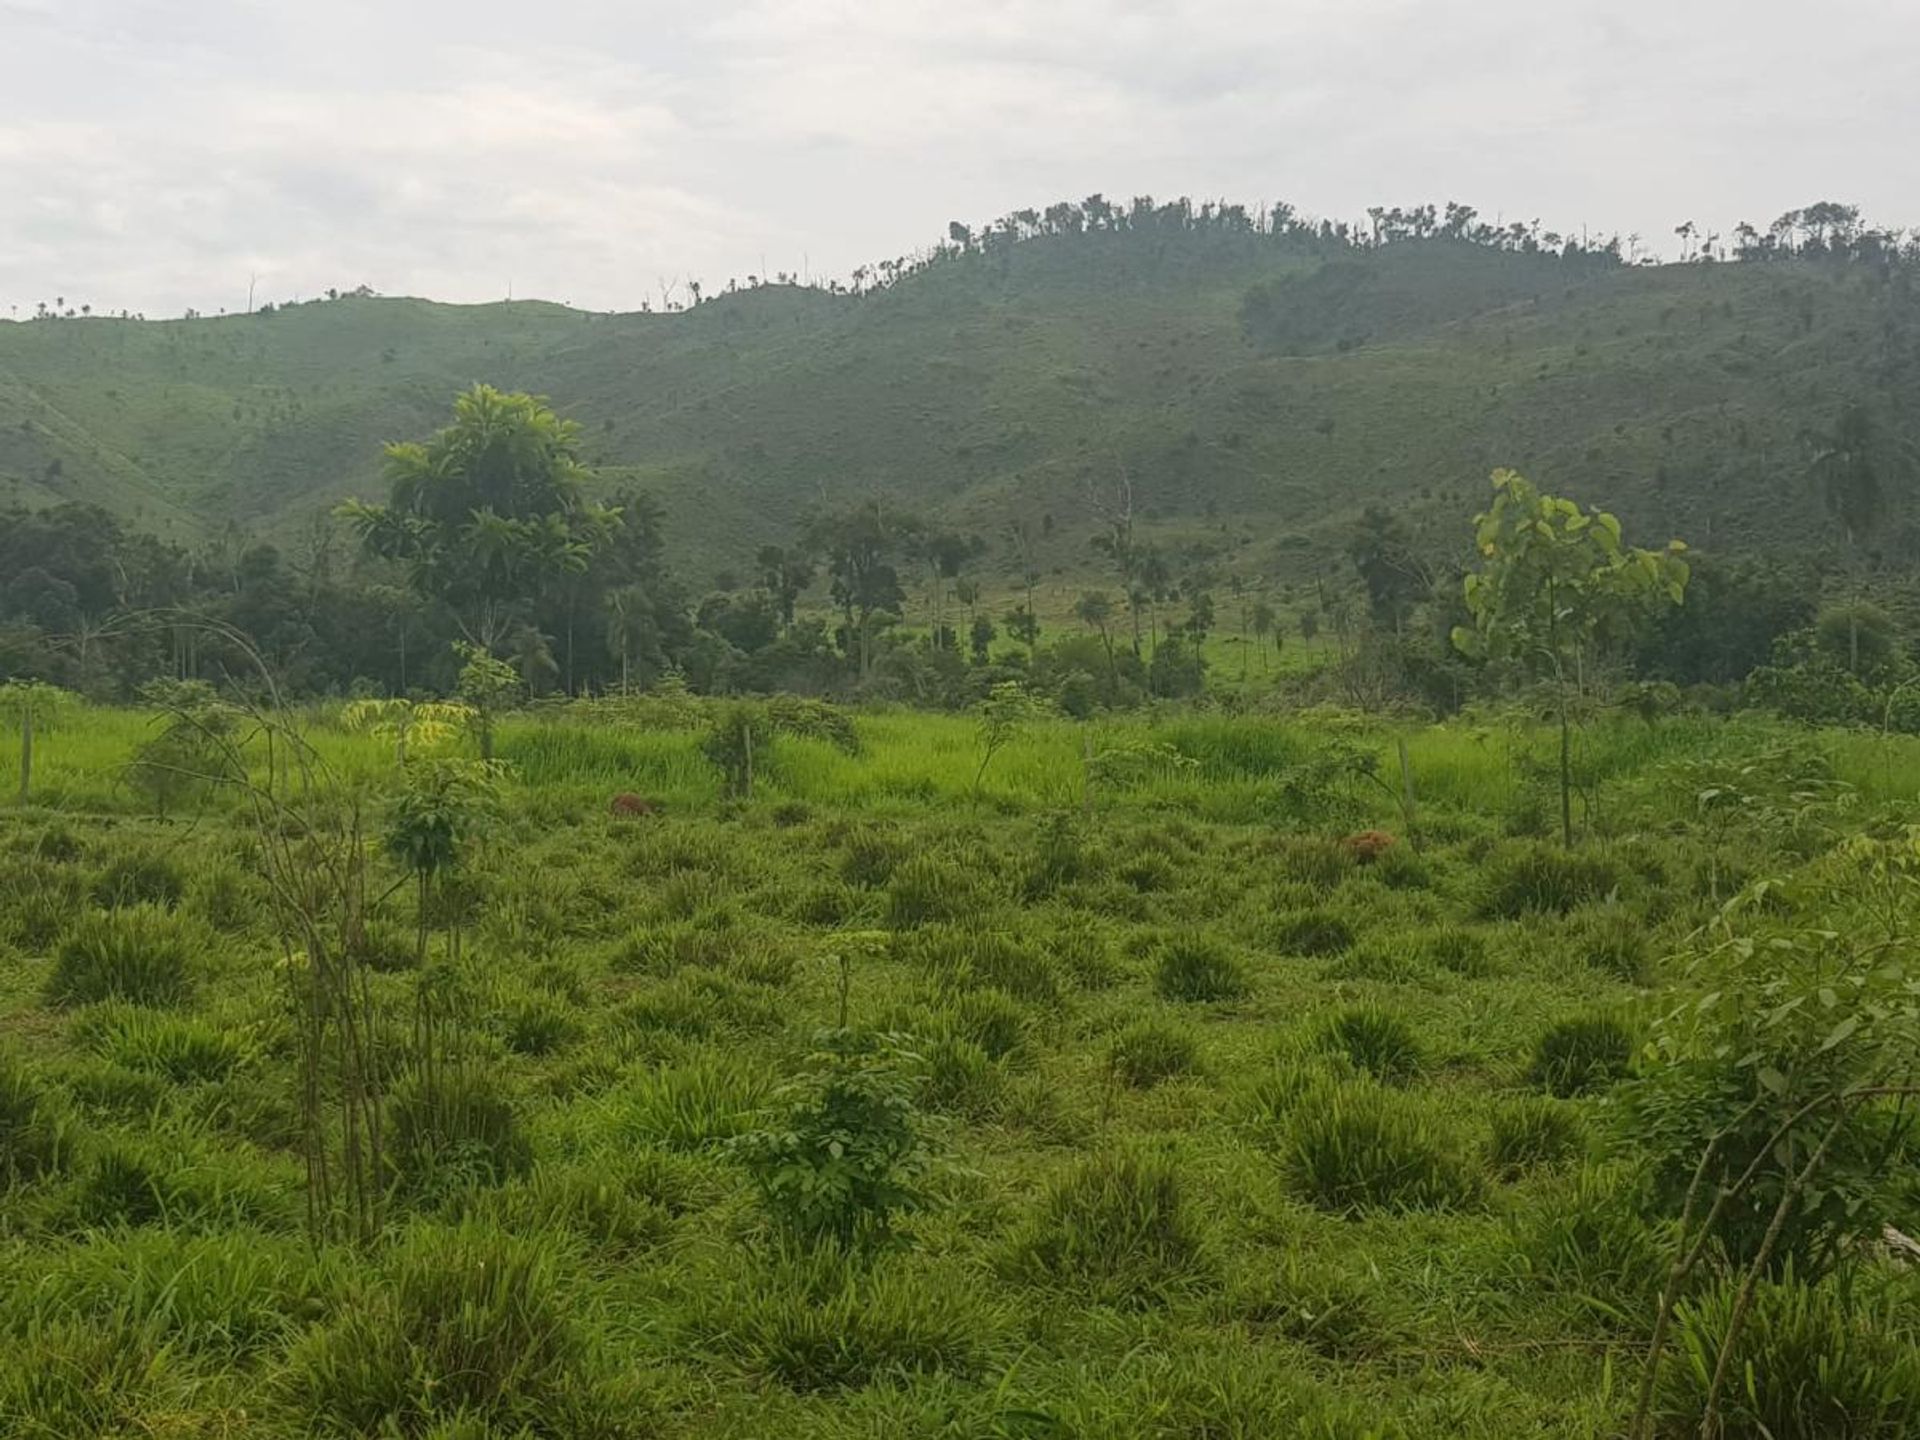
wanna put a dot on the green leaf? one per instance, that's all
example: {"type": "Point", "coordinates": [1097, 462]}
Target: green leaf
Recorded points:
{"type": "Point", "coordinates": [1839, 1033]}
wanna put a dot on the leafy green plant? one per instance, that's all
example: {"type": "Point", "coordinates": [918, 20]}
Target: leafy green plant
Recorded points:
{"type": "Point", "coordinates": [849, 1152]}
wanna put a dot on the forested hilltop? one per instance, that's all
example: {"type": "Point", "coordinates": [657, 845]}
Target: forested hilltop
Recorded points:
{"type": "Point", "coordinates": [1255, 370]}
{"type": "Point", "coordinates": [1134, 444]}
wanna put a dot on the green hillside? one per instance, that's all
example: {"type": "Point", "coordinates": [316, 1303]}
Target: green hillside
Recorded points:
{"type": "Point", "coordinates": [1259, 390]}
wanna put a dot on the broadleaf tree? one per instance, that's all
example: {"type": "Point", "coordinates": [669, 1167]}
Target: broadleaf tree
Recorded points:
{"type": "Point", "coordinates": [1554, 585]}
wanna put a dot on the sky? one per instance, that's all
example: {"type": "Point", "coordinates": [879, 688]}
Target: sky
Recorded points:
{"type": "Point", "coordinates": [157, 155]}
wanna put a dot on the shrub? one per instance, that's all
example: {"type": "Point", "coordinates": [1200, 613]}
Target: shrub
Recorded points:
{"type": "Point", "coordinates": [458, 1128]}
{"type": "Point", "coordinates": [1530, 1132]}
{"type": "Point", "coordinates": [470, 1323]}
{"type": "Point", "coordinates": [1312, 932]}
{"type": "Point", "coordinates": [1358, 1147]}
{"type": "Point", "coordinates": [847, 1154]}
{"type": "Point", "coordinates": [1582, 1054]}
{"type": "Point", "coordinates": [1808, 1364]}
{"type": "Point", "coordinates": [1117, 1224]}
{"type": "Point", "coordinates": [34, 1135]}
{"type": "Point", "coordinates": [1194, 968]}
{"type": "Point", "coordinates": [1376, 1041]}
{"type": "Point", "coordinates": [139, 877]}
{"type": "Point", "coordinates": [1149, 1051]}
{"type": "Point", "coordinates": [1545, 879]}
{"type": "Point", "coordinates": [813, 1323]}
{"type": "Point", "coordinates": [140, 955]}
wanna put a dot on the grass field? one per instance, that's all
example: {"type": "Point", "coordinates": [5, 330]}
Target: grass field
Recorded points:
{"type": "Point", "coordinates": [1206, 1121]}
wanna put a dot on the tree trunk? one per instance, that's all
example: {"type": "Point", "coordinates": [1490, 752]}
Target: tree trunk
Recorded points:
{"type": "Point", "coordinates": [26, 751]}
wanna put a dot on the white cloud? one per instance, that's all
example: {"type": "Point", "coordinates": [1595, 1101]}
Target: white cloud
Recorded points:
{"type": "Point", "coordinates": [154, 153]}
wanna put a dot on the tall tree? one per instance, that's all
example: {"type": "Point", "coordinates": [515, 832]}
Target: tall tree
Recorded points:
{"type": "Point", "coordinates": [861, 546]}
{"type": "Point", "coordinates": [487, 513]}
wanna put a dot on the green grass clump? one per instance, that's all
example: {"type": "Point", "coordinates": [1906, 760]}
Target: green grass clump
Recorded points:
{"type": "Point", "coordinates": [538, 1025]}
{"type": "Point", "coordinates": [961, 1078]}
{"type": "Point", "coordinates": [1312, 932]}
{"type": "Point", "coordinates": [469, 1324]}
{"type": "Point", "coordinates": [1545, 879]}
{"type": "Point", "coordinates": [926, 889]}
{"type": "Point", "coordinates": [1316, 861]}
{"type": "Point", "coordinates": [812, 1322]}
{"type": "Point", "coordinates": [459, 1127]}
{"type": "Point", "coordinates": [1358, 1147]}
{"type": "Point", "coordinates": [1532, 1131]}
{"type": "Point", "coordinates": [141, 955]}
{"type": "Point", "coordinates": [35, 1134]}
{"type": "Point", "coordinates": [1149, 1051]}
{"type": "Point", "coordinates": [695, 1106]}
{"type": "Point", "coordinates": [1197, 970]}
{"type": "Point", "coordinates": [1582, 1054]}
{"type": "Point", "coordinates": [1615, 944]}
{"type": "Point", "coordinates": [140, 877]}
{"type": "Point", "coordinates": [1119, 1225]}
{"type": "Point", "coordinates": [185, 1049]}
{"type": "Point", "coordinates": [1456, 949]}
{"type": "Point", "coordinates": [1585, 1234]}
{"type": "Point", "coordinates": [1808, 1364]}
{"type": "Point", "coordinates": [1377, 1041]}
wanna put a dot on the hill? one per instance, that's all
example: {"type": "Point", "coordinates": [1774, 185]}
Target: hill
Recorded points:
{"type": "Point", "coordinates": [1252, 390]}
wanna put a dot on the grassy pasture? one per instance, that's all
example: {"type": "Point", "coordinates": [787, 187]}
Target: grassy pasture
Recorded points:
{"type": "Point", "coordinates": [1233, 1135]}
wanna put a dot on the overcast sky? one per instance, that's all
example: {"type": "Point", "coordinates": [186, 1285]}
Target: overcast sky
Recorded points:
{"type": "Point", "coordinates": [155, 153]}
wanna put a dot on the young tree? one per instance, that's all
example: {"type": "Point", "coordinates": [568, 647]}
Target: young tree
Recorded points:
{"type": "Point", "coordinates": [1262, 620]}
{"type": "Point", "coordinates": [1095, 610]}
{"type": "Point", "coordinates": [486, 686]}
{"type": "Point", "coordinates": [1553, 583]}
{"type": "Point", "coordinates": [35, 706]}
{"type": "Point", "coordinates": [860, 546]}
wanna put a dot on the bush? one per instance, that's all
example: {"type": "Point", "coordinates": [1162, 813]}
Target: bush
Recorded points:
{"type": "Point", "coordinates": [847, 1154]}
{"type": "Point", "coordinates": [1117, 1224]}
{"type": "Point", "coordinates": [1545, 879]}
{"type": "Point", "coordinates": [1530, 1132]}
{"type": "Point", "coordinates": [1809, 1364]}
{"type": "Point", "coordinates": [1312, 932]}
{"type": "Point", "coordinates": [469, 1323]}
{"type": "Point", "coordinates": [34, 1135]}
{"type": "Point", "coordinates": [1197, 969]}
{"type": "Point", "coordinates": [139, 877]}
{"type": "Point", "coordinates": [1149, 1051]}
{"type": "Point", "coordinates": [140, 955]}
{"type": "Point", "coordinates": [459, 1129]}
{"type": "Point", "coordinates": [1358, 1147]}
{"type": "Point", "coordinates": [1582, 1054]}
{"type": "Point", "coordinates": [1376, 1041]}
